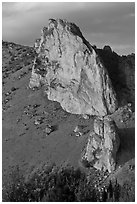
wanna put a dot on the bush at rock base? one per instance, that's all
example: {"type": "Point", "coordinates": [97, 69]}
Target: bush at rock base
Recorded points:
{"type": "Point", "coordinates": [64, 184]}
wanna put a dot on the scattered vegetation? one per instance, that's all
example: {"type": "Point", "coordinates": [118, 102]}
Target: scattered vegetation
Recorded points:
{"type": "Point", "coordinates": [65, 184]}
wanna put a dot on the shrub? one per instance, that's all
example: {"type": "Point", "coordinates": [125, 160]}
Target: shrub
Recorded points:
{"type": "Point", "coordinates": [65, 184]}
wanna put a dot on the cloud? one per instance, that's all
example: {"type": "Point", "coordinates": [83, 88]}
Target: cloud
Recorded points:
{"type": "Point", "coordinates": [101, 23]}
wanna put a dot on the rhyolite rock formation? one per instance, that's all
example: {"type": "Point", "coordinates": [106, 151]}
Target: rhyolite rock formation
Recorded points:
{"type": "Point", "coordinates": [71, 71]}
{"type": "Point", "coordinates": [103, 144]}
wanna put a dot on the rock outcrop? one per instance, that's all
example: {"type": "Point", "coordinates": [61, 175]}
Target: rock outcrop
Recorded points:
{"type": "Point", "coordinates": [107, 48]}
{"type": "Point", "coordinates": [103, 144]}
{"type": "Point", "coordinates": [121, 70]}
{"type": "Point", "coordinates": [71, 71]}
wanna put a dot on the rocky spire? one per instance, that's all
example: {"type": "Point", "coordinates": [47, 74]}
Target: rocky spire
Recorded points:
{"type": "Point", "coordinates": [103, 144]}
{"type": "Point", "coordinates": [71, 71]}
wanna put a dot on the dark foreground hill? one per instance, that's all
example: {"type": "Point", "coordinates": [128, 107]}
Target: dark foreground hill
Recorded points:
{"type": "Point", "coordinates": [28, 113]}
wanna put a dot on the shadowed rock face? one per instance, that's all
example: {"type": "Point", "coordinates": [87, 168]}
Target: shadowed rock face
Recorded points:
{"type": "Point", "coordinates": [121, 70]}
{"type": "Point", "coordinates": [103, 144]}
{"type": "Point", "coordinates": [71, 71]}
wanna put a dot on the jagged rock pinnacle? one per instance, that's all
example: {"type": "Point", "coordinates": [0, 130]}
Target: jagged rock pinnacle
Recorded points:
{"type": "Point", "coordinates": [71, 71]}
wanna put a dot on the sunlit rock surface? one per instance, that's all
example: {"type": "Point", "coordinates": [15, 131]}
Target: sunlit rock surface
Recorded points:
{"type": "Point", "coordinates": [103, 144]}
{"type": "Point", "coordinates": [71, 71]}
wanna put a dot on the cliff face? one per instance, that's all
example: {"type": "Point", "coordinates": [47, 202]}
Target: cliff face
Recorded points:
{"type": "Point", "coordinates": [121, 70]}
{"type": "Point", "coordinates": [103, 144]}
{"type": "Point", "coordinates": [71, 71]}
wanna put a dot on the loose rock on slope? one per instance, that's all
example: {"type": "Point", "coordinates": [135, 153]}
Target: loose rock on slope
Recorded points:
{"type": "Point", "coordinates": [103, 144]}
{"type": "Point", "coordinates": [71, 71]}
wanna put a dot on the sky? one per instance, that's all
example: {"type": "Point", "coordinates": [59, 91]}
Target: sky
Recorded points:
{"type": "Point", "coordinates": [102, 23]}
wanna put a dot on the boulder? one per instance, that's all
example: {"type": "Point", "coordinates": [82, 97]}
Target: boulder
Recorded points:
{"type": "Point", "coordinates": [71, 71]}
{"type": "Point", "coordinates": [48, 130]}
{"type": "Point", "coordinates": [78, 131]}
{"type": "Point", "coordinates": [86, 117]}
{"type": "Point", "coordinates": [103, 144]}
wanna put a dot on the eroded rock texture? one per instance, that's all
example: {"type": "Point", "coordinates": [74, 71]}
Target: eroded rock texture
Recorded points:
{"type": "Point", "coordinates": [71, 71]}
{"type": "Point", "coordinates": [103, 144]}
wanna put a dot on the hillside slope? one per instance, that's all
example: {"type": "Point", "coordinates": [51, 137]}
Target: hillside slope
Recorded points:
{"type": "Point", "coordinates": [27, 113]}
